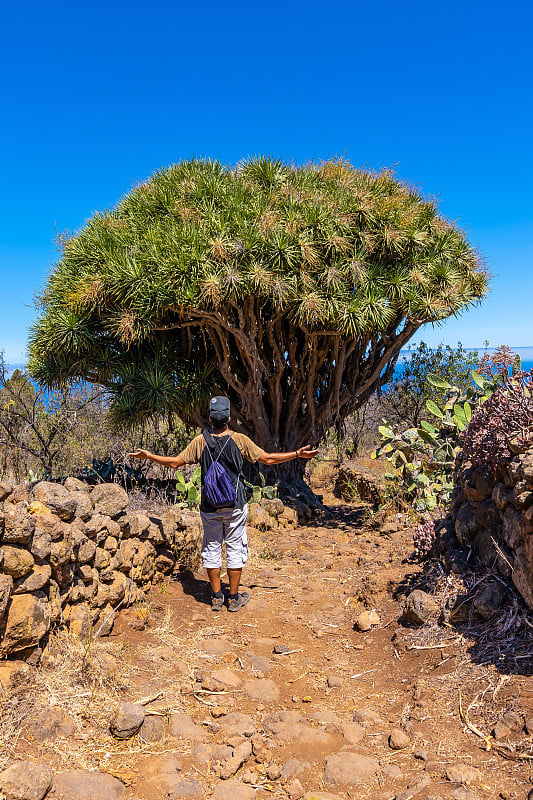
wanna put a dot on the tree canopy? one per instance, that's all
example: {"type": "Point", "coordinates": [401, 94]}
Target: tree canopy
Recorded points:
{"type": "Point", "coordinates": [290, 288]}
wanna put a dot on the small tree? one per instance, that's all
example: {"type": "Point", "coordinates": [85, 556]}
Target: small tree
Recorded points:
{"type": "Point", "coordinates": [291, 289]}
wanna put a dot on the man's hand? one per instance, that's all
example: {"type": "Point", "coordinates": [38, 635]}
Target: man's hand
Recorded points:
{"type": "Point", "coordinates": [139, 454]}
{"type": "Point", "coordinates": [306, 452]}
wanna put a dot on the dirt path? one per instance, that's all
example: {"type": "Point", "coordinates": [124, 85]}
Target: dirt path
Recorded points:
{"type": "Point", "coordinates": [286, 698]}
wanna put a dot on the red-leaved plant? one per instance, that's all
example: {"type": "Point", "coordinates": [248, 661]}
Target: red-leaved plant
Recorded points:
{"type": "Point", "coordinates": [503, 425]}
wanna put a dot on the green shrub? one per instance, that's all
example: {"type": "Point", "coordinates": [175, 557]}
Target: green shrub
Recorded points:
{"type": "Point", "coordinates": [423, 458]}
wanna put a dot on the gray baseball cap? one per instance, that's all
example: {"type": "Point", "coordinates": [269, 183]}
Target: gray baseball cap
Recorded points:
{"type": "Point", "coordinates": [219, 409]}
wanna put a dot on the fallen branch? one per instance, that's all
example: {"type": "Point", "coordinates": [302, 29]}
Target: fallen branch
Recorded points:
{"type": "Point", "coordinates": [502, 750]}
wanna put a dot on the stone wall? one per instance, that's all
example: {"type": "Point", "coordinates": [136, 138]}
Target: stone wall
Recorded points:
{"type": "Point", "coordinates": [71, 554]}
{"type": "Point", "coordinates": [493, 513]}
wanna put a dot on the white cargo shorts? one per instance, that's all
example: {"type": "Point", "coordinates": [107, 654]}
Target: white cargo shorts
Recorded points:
{"type": "Point", "coordinates": [225, 525]}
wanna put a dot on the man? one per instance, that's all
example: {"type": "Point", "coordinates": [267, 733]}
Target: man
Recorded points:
{"type": "Point", "coordinates": [224, 524]}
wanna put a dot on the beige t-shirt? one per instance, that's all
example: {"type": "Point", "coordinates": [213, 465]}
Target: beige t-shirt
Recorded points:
{"type": "Point", "coordinates": [250, 451]}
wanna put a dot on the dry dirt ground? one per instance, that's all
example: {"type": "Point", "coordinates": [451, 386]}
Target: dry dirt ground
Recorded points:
{"type": "Point", "coordinates": [346, 691]}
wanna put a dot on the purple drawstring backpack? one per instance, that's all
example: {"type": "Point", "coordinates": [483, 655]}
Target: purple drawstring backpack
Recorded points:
{"type": "Point", "coordinates": [218, 486]}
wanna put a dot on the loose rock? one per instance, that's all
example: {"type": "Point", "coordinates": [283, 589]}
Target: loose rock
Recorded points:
{"type": "Point", "coordinates": [263, 690]}
{"type": "Point", "coordinates": [419, 608]}
{"type": "Point", "coordinates": [79, 784]}
{"type": "Point", "coordinates": [366, 619]}
{"type": "Point", "coordinates": [25, 780]}
{"type": "Point", "coordinates": [462, 773]}
{"type": "Point", "coordinates": [398, 739]}
{"type": "Point", "coordinates": [51, 723]}
{"type": "Point", "coordinates": [127, 720]}
{"type": "Point", "coordinates": [345, 769]}
{"type": "Point", "coordinates": [182, 726]}
{"type": "Point", "coordinates": [233, 790]}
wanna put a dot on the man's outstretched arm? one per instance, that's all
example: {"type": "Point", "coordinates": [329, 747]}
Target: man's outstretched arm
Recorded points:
{"type": "Point", "coordinates": [174, 462]}
{"type": "Point", "coordinates": [280, 458]}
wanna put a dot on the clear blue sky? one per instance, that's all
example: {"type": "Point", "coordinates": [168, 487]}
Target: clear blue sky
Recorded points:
{"type": "Point", "coordinates": [96, 96]}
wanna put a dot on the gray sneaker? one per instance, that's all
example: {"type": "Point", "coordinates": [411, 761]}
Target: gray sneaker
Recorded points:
{"type": "Point", "coordinates": [236, 603]}
{"type": "Point", "coordinates": [217, 603]}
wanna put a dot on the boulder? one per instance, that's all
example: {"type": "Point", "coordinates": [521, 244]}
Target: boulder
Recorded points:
{"type": "Point", "coordinates": [500, 495]}
{"type": "Point", "coordinates": [12, 672]}
{"type": "Point", "coordinates": [18, 524]}
{"type": "Point", "coordinates": [25, 780]}
{"type": "Point", "coordinates": [34, 580]}
{"type": "Point", "coordinates": [512, 526]}
{"type": "Point", "coordinates": [259, 518]}
{"type": "Point", "coordinates": [49, 523]}
{"type": "Point", "coordinates": [17, 561]}
{"type": "Point", "coordinates": [466, 525]}
{"type": "Point", "coordinates": [109, 499]}
{"type": "Point", "coordinates": [75, 485]}
{"type": "Point", "coordinates": [80, 784]}
{"type": "Point", "coordinates": [84, 507]}
{"type": "Point", "coordinates": [41, 544]}
{"type": "Point", "coordinates": [187, 789]}
{"type": "Point", "coordinates": [221, 679]}
{"type": "Point", "coordinates": [56, 498]}
{"type": "Point", "coordinates": [127, 720]}
{"type": "Point", "coordinates": [28, 620]}
{"type": "Point", "coordinates": [6, 587]}
{"type": "Point", "coordinates": [165, 561]}
{"type": "Point", "coordinates": [5, 490]}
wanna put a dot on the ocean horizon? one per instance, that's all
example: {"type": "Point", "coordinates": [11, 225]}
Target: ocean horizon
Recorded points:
{"type": "Point", "coordinates": [525, 353]}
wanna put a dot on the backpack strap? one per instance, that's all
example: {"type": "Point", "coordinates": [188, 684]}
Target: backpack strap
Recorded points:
{"type": "Point", "coordinates": [210, 443]}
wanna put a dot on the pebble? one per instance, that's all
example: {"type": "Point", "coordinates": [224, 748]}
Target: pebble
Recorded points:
{"type": "Point", "coordinates": [335, 681]}
{"type": "Point", "coordinates": [281, 648]}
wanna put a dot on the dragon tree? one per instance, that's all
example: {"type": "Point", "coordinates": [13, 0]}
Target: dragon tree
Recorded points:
{"type": "Point", "coordinates": [290, 288]}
